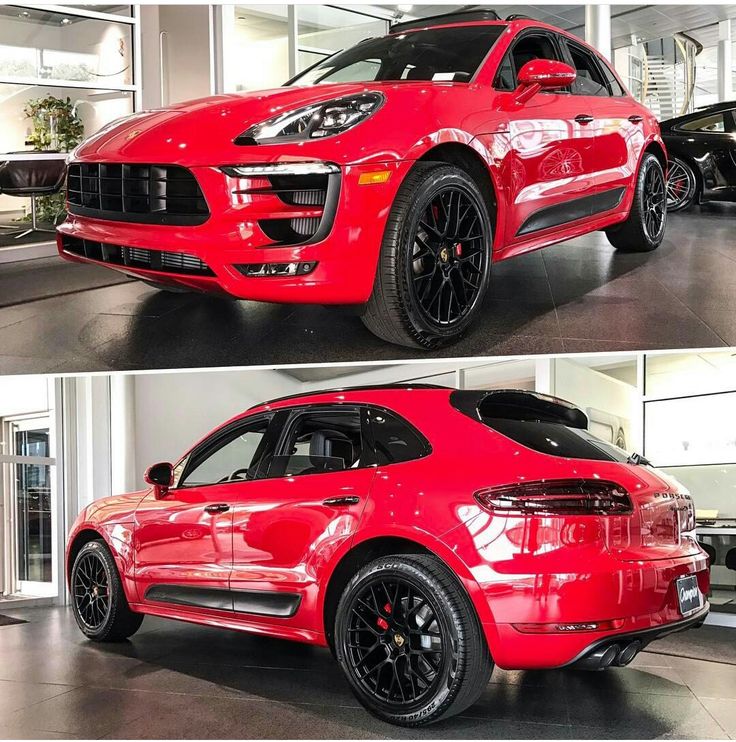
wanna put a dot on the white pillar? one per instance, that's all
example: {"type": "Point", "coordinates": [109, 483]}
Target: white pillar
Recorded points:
{"type": "Point", "coordinates": [598, 28]}
{"type": "Point", "coordinates": [293, 36]}
{"type": "Point", "coordinates": [122, 434]}
{"type": "Point", "coordinates": [150, 55]}
{"type": "Point", "coordinates": [725, 73]}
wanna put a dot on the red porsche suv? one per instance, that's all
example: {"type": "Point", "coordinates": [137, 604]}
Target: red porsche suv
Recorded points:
{"type": "Point", "coordinates": [389, 177]}
{"type": "Point", "coordinates": [423, 533]}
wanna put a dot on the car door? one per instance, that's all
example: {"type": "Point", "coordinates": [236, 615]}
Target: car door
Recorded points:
{"type": "Point", "coordinates": [549, 165]}
{"type": "Point", "coordinates": [183, 540]}
{"type": "Point", "coordinates": [618, 125]}
{"type": "Point", "coordinates": [711, 139]}
{"type": "Point", "coordinates": [305, 502]}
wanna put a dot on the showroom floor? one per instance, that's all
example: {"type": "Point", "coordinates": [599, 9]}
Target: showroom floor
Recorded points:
{"type": "Point", "coordinates": [177, 680]}
{"type": "Point", "coordinates": [579, 296]}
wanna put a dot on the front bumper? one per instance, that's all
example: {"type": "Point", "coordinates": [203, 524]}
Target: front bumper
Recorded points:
{"type": "Point", "coordinates": [345, 258]}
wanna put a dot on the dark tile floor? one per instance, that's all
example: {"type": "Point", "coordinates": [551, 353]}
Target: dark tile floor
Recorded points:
{"type": "Point", "coordinates": [579, 296]}
{"type": "Point", "coordinates": [176, 680]}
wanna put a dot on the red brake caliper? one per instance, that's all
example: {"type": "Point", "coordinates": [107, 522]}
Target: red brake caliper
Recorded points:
{"type": "Point", "coordinates": [382, 622]}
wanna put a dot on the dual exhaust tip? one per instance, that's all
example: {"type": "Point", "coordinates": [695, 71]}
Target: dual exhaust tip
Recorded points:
{"type": "Point", "coordinates": [616, 655]}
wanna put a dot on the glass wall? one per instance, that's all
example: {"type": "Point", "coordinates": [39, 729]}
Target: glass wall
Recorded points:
{"type": "Point", "coordinates": [259, 49]}
{"type": "Point", "coordinates": [63, 75]}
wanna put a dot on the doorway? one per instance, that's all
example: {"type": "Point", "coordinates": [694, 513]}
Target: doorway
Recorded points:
{"type": "Point", "coordinates": [28, 488]}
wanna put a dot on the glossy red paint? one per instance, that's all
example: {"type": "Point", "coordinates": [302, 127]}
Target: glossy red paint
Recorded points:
{"type": "Point", "coordinates": [535, 152]}
{"type": "Point", "coordinates": [280, 536]}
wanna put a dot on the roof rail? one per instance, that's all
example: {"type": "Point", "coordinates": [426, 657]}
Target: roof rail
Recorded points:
{"type": "Point", "coordinates": [456, 16]}
{"type": "Point", "coordinates": [364, 388]}
{"type": "Point", "coordinates": [519, 17]}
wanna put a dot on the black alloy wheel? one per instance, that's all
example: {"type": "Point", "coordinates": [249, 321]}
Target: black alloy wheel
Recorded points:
{"type": "Point", "coordinates": [395, 641]}
{"type": "Point", "coordinates": [643, 229]}
{"type": "Point", "coordinates": [435, 261]}
{"type": "Point", "coordinates": [409, 641]}
{"type": "Point", "coordinates": [448, 259]}
{"type": "Point", "coordinates": [682, 186]}
{"type": "Point", "coordinates": [655, 203]}
{"type": "Point", "coordinates": [98, 599]}
{"type": "Point", "coordinates": [91, 591]}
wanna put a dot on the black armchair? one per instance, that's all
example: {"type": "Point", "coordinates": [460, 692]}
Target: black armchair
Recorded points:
{"type": "Point", "coordinates": [31, 178]}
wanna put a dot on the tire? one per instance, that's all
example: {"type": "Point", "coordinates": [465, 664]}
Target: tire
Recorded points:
{"type": "Point", "coordinates": [447, 652]}
{"type": "Point", "coordinates": [415, 281]}
{"type": "Point", "coordinates": [644, 228]}
{"type": "Point", "coordinates": [95, 577]}
{"type": "Point", "coordinates": [682, 185]}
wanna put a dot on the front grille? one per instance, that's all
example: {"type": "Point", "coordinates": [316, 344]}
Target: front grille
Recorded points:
{"type": "Point", "coordinates": [136, 257]}
{"type": "Point", "coordinates": [148, 194]}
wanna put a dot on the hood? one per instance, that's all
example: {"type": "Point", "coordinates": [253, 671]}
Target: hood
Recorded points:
{"type": "Point", "coordinates": [201, 132]}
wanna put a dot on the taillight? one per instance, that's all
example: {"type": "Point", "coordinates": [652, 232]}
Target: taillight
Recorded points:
{"type": "Point", "coordinates": [556, 497]}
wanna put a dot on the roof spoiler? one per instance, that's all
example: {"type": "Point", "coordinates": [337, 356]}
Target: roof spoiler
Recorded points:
{"type": "Point", "coordinates": [469, 13]}
{"type": "Point", "coordinates": [514, 404]}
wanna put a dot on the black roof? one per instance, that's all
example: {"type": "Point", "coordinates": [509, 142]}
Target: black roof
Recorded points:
{"type": "Point", "coordinates": [456, 16]}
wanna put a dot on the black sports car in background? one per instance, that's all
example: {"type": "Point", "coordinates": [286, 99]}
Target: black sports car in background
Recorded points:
{"type": "Point", "coordinates": [702, 153]}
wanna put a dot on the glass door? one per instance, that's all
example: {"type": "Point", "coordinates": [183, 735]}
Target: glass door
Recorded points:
{"type": "Point", "coordinates": [28, 494]}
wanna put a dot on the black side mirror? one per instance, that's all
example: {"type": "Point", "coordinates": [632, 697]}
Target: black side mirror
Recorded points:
{"type": "Point", "coordinates": [161, 476]}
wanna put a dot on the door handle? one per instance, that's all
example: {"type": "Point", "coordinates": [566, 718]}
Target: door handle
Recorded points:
{"type": "Point", "coordinates": [338, 501]}
{"type": "Point", "coordinates": [220, 507]}
{"type": "Point", "coordinates": [636, 119]}
{"type": "Point", "coordinates": [583, 118]}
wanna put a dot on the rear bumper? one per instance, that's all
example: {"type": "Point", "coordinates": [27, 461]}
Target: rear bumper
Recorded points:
{"type": "Point", "coordinates": [629, 598]}
{"type": "Point", "coordinates": [587, 659]}
{"type": "Point", "coordinates": [346, 258]}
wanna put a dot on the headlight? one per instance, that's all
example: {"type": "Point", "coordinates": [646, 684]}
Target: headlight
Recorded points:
{"type": "Point", "coordinates": [315, 121]}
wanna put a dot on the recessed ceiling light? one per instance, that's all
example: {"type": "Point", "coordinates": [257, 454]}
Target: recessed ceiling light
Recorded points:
{"type": "Point", "coordinates": [24, 14]}
{"type": "Point", "coordinates": [65, 21]}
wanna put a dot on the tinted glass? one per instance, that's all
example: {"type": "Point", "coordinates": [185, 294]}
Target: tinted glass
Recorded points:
{"type": "Point", "coordinates": [449, 54]}
{"type": "Point", "coordinates": [318, 442]}
{"type": "Point", "coordinates": [394, 440]}
{"type": "Point", "coordinates": [714, 123]}
{"type": "Point", "coordinates": [557, 439]}
{"type": "Point", "coordinates": [526, 49]}
{"type": "Point", "coordinates": [234, 459]}
{"type": "Point", "coordinates": [615, 86]}
{"type": "Point", "coordinates": [589, 80]}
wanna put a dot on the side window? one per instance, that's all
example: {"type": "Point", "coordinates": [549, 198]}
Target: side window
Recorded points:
{"type": "Point", "coordinates": [589, 80]}
{"type": "Point", "coordinates": [614, 85]}
{"type": "Point", "coordinates": [714, 123]}
{"type": "Point", "coordinates": [232, 459]}
{"type": "Point", "coordinates": [319, 441]}
{"type": "Point", "coordinates": [527, 48]}
{"type": "Point", "coordinates": [394, 440]}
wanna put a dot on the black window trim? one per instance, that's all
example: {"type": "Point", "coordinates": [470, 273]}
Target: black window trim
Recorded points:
{"type": "Point", "coordinates": [424, 443]}
{"type": "Point", "coordinates": [528, 31]}
{"type": "Point", "coordinates": [211, 444]}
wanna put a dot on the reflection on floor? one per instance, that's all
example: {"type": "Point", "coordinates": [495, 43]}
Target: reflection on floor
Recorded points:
{"type": "Point", "coordinates": [579, 296]}
{"type": "Point", "coordinates": [13, 225]}
{"type": "Point", "coordinates": [176, 680]}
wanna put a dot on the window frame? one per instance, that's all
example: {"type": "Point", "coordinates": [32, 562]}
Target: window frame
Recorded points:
{"type": "Point", "coordinates": [701, 115]}
{"type": "Point", "coordinates": [568, 44]}
{"type": "Point", "coordinates": [530, 31]}
{"type": "Point", "coordinates": [424, 443]}
{"type": "Point", "coordinates": [222, 437]}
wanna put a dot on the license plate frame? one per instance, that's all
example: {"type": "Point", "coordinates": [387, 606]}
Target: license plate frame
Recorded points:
{"type": "Point", "coordinates": [689, 597]}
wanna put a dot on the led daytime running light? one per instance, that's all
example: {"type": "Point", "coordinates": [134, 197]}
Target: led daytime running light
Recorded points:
{"type": "Point", "coordinates": [281, 168]}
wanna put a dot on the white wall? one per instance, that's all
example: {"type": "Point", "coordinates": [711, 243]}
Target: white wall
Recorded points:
{"type": "Point", "coordinates": [20, 395]}
{"type": "Point", "coordinates": [187, 51]}
{"type": "Point", "coordinates": [174, 410]}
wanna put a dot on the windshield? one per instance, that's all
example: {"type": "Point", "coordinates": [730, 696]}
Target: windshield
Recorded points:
{"type": "Point", "coordinates": [451, 54]}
